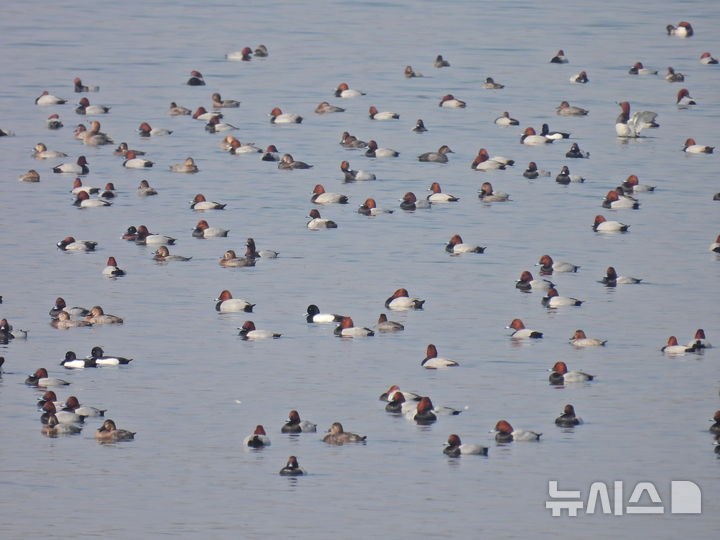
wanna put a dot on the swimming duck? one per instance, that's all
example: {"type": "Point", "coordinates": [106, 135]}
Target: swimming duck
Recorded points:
{"type": "Point", "coordinates": [350, 141]}
{"type": "Point", "coordinates": [715, 428]}
{"type": "Point", "coordinates": [214, 125]}
{"type": "Point", "coordinates": [456, 448]}
{"type": "Point", "coordinates": [683, 29]}
{"type": "Point", "coordinates": [108, 192]}
{"type": "Point", "coordinates": [344, 91]}
{"type": "Point", "coordinates": [419, 126]}
{"type": "Point", "coordinates": [226, 303]}
{"type": "Point", "coordinates": [632, 185]}
{"type": "Point", "coordinates": [456, 245]}
{"type": "Point", "coordinates": [315, 316]}
{"type": "Point", "coordinates": [568, 418]}
{"type": "Point", "coordinates": [84, 107]}
{"type": "Point", "coordinates": [53, 122]}
{"type": "Point", "coordinates": [603, 225]}
{"type": "Point", "coordinates": [486, 194]}
{"type": "Point", "coordinates": [80, 87]}
{"type": "Point", "coordinates": [249, 332]}
{"type": "Point", "coordinates": [271, 154]}
{"type": "Point", "coordinates": [423, 414]}
{"type": "Point", "coordinates": [580, 78]}
{"type": "Point", "coordinates": [145, 130]}
{"type": "Point", "coordinates": [441, 62]}
{"type": "Point", "coordinates": [244, 55]}
{"type": "Point", "coordinates": [79, 168]}
{"type": "Point", "coordinates": [699, 341]}
{"type": "Point", "coordinates": [410, 73]}
{"type": "Point", "coordinates": [46, 98]}
{"type": "Point", "coordinates": [384, 325]}
{"type": "Point", "coordinates": [324, 108]}
{"type": "Point", "coordinates": [98, 316]}
{"type": "Point", "coordinates": [263, 253]}
{"type": "Point", "coordinates": [187, 166]}
{"type": "Point", "coordinates": [639, 69]}
{"type": "Point", "coordinates": [548, 266]}
{"type": "Point", "coordinates": [62, 322]}
{"type": "Point", "coordinates": [287, 162]}
{"type": "Point", "coordinates": [505, 120]}
{"type": "Point", "coordinates": [561, 375]}
{"type": "Point", "coordinates": [83, 200]}
{"type": "Point", "coordinates": [347, 328]}
{"type": "Point", "coordinates": [616, 201]}
{"type": "Point", "coordinates": [532, 172]}
{"type": "Point", "coordinates": [230, 260]}
{"type": "Point", "coordinates": [611, 279]}
{"type": "Point", "coordinates": [564, 177]}
{"type": "Point", "coordinates": [64, 417]}
{"type": "Point", "coordinates": [715, 246]}
{"type": "Point", "coordinates": [579, 339]}
{"type": "Point", "coordinates": [40, 151]}
{"type": "Point", "coordinates": [108, 433]}
{"type": "Point", "coordinates": [506, 433]}
{"type": "Point", "coordinates": [337, 435]}
{"type": "Point", "coordinates": [483, 162]}
{"type": "Point", "coordinates": [132, 161]}
{"type": "Point", "coordinates": [490, 84]}
{"type": "Point", "coordinates": [449, 101]}
{"type": "Point", "coordinates": [559, 58]}
{"type": "Point", "coordinates": [370, 208]}
{"type": "Point", "coordinates": [530, 137]}
{"type": "Point", "coordinates": [98, 355]}
{"type": "Point", "coordinates": [176, 110]}
{"type": "Point", "coordinates": [201, 203]}
{"type": "Point", "coordinates": [237, 148]}
{"type": "Point", "coordinates": [401, 300]}
{"type": "Point", "coordinates": [352, 175]}
{"type": "Point", "coordinates": [92, 136]}
{"type": "Point", "coordinates": [691, 147]}
{"type": "Point", "coordinates": [385, 115]}
{"type": "Point", "coordinates": [72, 404]}
{"type": "Point", "coordinates": [320, 196]}
{"type": "Point", "coordinates": [674, 77]}
{"type": "Point", "coordinates": [60, 305]}
{"type": "Point", "coordinates": [437, 195]}
{"type": "Point", "coordinates": [145, 237]}
{"type": "Point", "coordinates": [218, 102]}
{"type": "Point", "coordinates": [553, 300]}
{"type": "Point", "coordinates": [438, 157]}
{"type": "Point", "coordinates": [674, 348]}
{"type": "Point", "coordinates": [706, 58]}
{"type": "Point", "coordinates": [565, 109]}
{"type": "Point", "coordinates": [123, 149]}
{"type": "Point", "coordinates": [431, 360]}
{"type": "Point", "coordinates": [162, 254]}
{"type": "Point", "coordinates": [202, 114]}
{"type": "Point", "coordinates": [54, 428]}
{"type": "Point", "coordinates": [520, 332]}
{"type": "Point", "coordinates": [394, 390]}
{"type": "Point", "coordinates": [203, 230]}
{"type": "Point", "coordinates": [40, 378]}
{"type": "Point", "coordinates": [683, 99]}
{"type": "Point", "coordinates": [375, 152]}
{"type": "Point", "coordinates": [528, 283]}
{"type": "Point", "coordinates": [111, 268]}
{"type": "Point", "coordinates": [292, 468]}
{"type": "Point", "coordinates": [196, 79]}
{"type": "Point", "coordinates": [316, 222]}
{"type": "Point", "coordinates": [31, 176]}
{"type": "Point", "coordinates": [575, 152]}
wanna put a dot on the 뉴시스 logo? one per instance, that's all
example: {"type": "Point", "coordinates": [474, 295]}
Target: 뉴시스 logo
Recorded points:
{"type": "Point", "coordinates": [685, 498]}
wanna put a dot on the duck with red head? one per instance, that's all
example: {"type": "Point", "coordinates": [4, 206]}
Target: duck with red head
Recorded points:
{"type": "Point", "coordinates": [683, 30]}
{"type": "Point", "coordinates": [72, 404]}
{"type": "Point", "coordinates": [292, 468]}
{"type": "Point", "coordinates": [317, 222]}
{"type": "Point", "coordinates": [196, 79]}
{"type": "Point", "coordinates": [204, 230]}
{"type": "Point", "coordinates": [249, 332]}
{"type": "Point", "coordinates": [568, 417]}
{"type": "Point", "coordinates": [40, 377]}
{"type": "Point", "coordinates": [527, 283]}
{"type": "Point", "coordinates": [423, 414]}
{"type": "Point", "coordinates": [561, 375]}
{"type": "Point", "coordinates": [433, 361]}
{"type": "Point", "coordinates": [488, 195]}
{"type": "Point", "coordinates": [111, 268]}
{"type": "Point", "coordinates": [227, 304]}
{"type": "Point", "coordinates": [201, 203]}
{"type": "Point", "coordinates": [520, 332]}
{"type": "Point", "coordinates": [449, 101]}
{"type": "Point", "coordinates": [279, 117]}
{"type": "Point", "coordinates": [344, 91]}
{"type": "Point", "coordinates": [257, 439]}
{"type": "Point", "coordinates": [437, 195]}
{"type": "Point", "coordinates": [579, 339]}
{"type": "Point", "coordinates": [347, 328]}
{"type": "Point", "coordinates": [505, 433]}
{"type": "Point", "coordinates": [457, 246]}
{"type": "Point", "coordinates": [320, 196]}
{"type": "Point", "coordinates": [370, 208]}
{"type": "Point", "coordinates": [132, 161]}
{"type": "Point", "coordinates": [715, 428]}
{"type": "Point", "coordinates": [691, 147]}
{"type": "Point", "coordinates": [482, 162]}
{"type": "Point", "coordinates": [675, 349]}
{"type": "Point", "coordinates": [401, 300]}
{"type": "Point", "coordinates": [354, 176]}
{"type": "Point", "coordinates": [559, 58]}
{"type": "Point", "coordinates": [244, 55]}
{"type": "Point", "coordinates": [295, 425]}
{"type": "Point", "coordinates": [456, 448]}
{"type": "Point", "coordinates": [699, 341]}
{"type": "Point", "coordinates": [548, 266]}
{"type": "Point", "coordinates": [602, 225]}
{"type": "Point", "coordinates": [611, 278]}
{"type": "Point", "coordinates": [374, 152]}
{"type": "Point", "coordinates": [79, 168]}
{"type": "Point", "coordinates": [554, 300]}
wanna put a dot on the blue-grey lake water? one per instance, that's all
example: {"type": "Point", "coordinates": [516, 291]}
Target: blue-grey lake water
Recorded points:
{"type": "Point", "coordinates": [194, 389]}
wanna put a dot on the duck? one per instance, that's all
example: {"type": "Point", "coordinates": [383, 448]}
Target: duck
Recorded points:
{"type": "Point", "coordinates": [561, 375]}
{"type": "Point", "coordinates": [162, 254]}
{"type": "Point", "coordinates": [691, 147]}
{"type": "Point", "coordinates": [46, 98]}
{"type": "Point", "coordinates": [80, 167]}
{"type": "Point", "coordinates": [6, 133]}
{"type": "Point", "coordinates": [352, 176]}
{"type": "Point", "coordinates": [370, 208]}
{"type": "Point", "coordinates": [385, 115]}
{"type": "Point", "coordinates": [314, 315]}
{"type": "Point", "coordinates": [60, 305]}
{"type": "Point", "coordinates": [237, 148]}
{"type": "Point", "coordinates": [292, 468]}
{"type": "Point", "coordinates": [344, 91]}
{"type": "Point", "coordinates": [490, 84]}
{"type": "Point", "coordinates": [350, 141]}
{"type": "Point", "coordinates": [93, 136]}
{"type": "Point", "coordinates": [580, 78]}
{"type": "Point", "coordinates": [385, 326]}
{"type": "Point", "coordinates": [482, 162]}
{"type": "Point", "coordinates": [639, 69]}
{"type": "Point", "coordinates": [707, 58]}
{"type": "Point", "coordinates": [548, 265]}
{"type": "Point", "coordinates": [611, 279]}
{"type": "Point", "coordinates": [520, 332]}
{"type": "Point", "coordinates": [230, 260]}
{"type": "Point", "coordinates": [393, 392]}
{"type": "Point", "coordinates": [568, 418]}
{"type": "Point", "coordinates": [263, 253]}
{"type": "Point", "coordinates": [98, 355]}
{"type": "Point", "coordinates": [123, 149]}
{"type": "Point", "coordinates": [554, 135]}
{"type": "Point", "coordinates": [632, 185]}
{"type": "Point", "coordinates": [41, 379]}
{"type": "Point", "coordinates": [271, 154]}
{"type": "Point", "coordinates": [203, 230]}
{"type": "Point", "coordinates": [449, 101]}
{"type": "Point", "coordinates": [214, 125]}
{"type": "Point", "coordinates": [683, 99]}
{"type": "Point", "coordinates": [71, 361]}
{"type": "Point", "coordinates": [375, 152]}
{"type": "Point", "coordinates": [337, 435]}
{"type": "Point", "coordinates": [320, 196]}
{"type": "Point", "coordinates": [83, 200]}
{"type": "Point", "coordinates": [616, 201]}
{"type": "Point", "coordinates": [715, 246]}
{"type": "Point", "coordinates": [200, 203]}
{"type": "Point", "coordinates": [53, 122]}
{"type": "Point", "coordinates": [316, 222]}
{"type": "Point", "coordinates": [505, 433]}
{"type": "Point", "coordinates": [419, 126]}
{"type": "Point", "coordinates": [699, 341]}
{"type": "Point", "coordinates": [559, 58]}
{"type": "Point", "coordinates": [132, 161]}
{"type": "Point", "coordinates": [431, 360]}
{"type": "Point", "coordinates": [715, 428]}
{"type": "Point", "coordinates": [575, 152]}
{"type": "Point", "coordinates": [579, 339]}
{"type": "Point", "coordinates": [401, 300]}
{"type": "Point", "coordinates": [564, 177]}
{"type": "Point", "coordinates": [423, 414]}
{"type": "Point", "coordinates": [98, 316]}
{"type": "Point", "coordinates": [603, 225]}
{"type": "Point", "coordinates": [455, 447]}
{"type": "Point", "coordinates": [64, 417]}
{"type": "Point", "coordinates": [674, 348]}
{"type": "Point", "coordinates": [456, 245]}
{"type": "Point", "coordinates": [672, 76]}
{"type": "Point", "coordinates": [146, 130]}
{"type": "Point", "coordinates": [438, 157]}
{"type": "Point", "coordinates": [287, 162]}
{"type": "Point", "coordinates": [111, 268]}
{"type": "Point", "coordinates": [84, 107]}
{"type": "Point", "coordinates": [202, 114]}
{"type": "Point", "coordinates": [145, 237]}
{"type": "Point", "coordinates": [62, 321]}
{"type": "Point", "coordinates": [531, 138]}
{"type": "Point", "coordinates": [565, 109]}
{"type": "Point", "coordinates": [324, 108]}
{"type": "Point", "coordinates": [279, 117]}
{"type": "Point", "coordinates": [31, 176]}
{"type": "Point", "coordinates": [410, 73]}
{"type": "Point", "coordinates": [441, 62]}
{"type": "Point", "coordinates": [108, 192]}
{"type": "Point", "coordinates": [187, 166]}
{"type": "Point", "coordinates": [72, 404]}
{"type": "Point", "coordinates": [80, 87]}
{"type": "Point", "coordinates": [437, 195]}
{"type": "Point", "coordinates": [532, 172]}
{"type": "Point", "coordinates": [218, 102]}
{"type": "Point", "coordinates": [5, 332]}
{"type": "Point", "coordinates": [625, 126]}
{"type": "Point", "coordinates": [683, 29]}
{"type": "Point", "coordinates": [177, 110]}
{"type": "Point", "coordinates": [54, 428]}
{"type": "Point", "coordinates": [505, 120]}
{"type": "Point", "coordinates": [347, 328]}
{"type": "Point", "coordinates": [553, 300]}
{"type": "Point", "coordinates": [196, 79]}
{"type": "Point", "coordinates": [131, 234]}
{"type": "Point", "coordinates": [528, 283]}
{"type": "Point", "coordinates": [244, 55]}
{"type": "Point", "coordinates": [487, 195]}
{"type": "Point", "coordinates": [109, 433]}
{"type": "Point", "coordinates": [249, 332]}
{"type": "Point", "coordinates": [40, 151]}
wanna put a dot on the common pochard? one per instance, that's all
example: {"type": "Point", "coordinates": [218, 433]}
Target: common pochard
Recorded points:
{"type": "Point", "coordinates": [201, 203]}
{"type": "Point", "coordinates": [145, 237]}
{"type": "Point", "coordinates": [691, 147]}
{"type": "Point", "coordinates": [316, 222]}
{"type": "Point", "coordinates": [683, 99]}
{"type": "Point", "coordinates": [531, 138]}
{"type": "Point", "coordinates": [401, 300]}
{"type": "Point", "coordinates": [344, 91]}
{"type": "Point", "coordinates": [375, 152]}
{"type": "Point", "coordinates": [449, 101]}
{"type": "Point", "coordinates": [324, 108]}
{"type": "Point", "coordinates": [520, 332]}
{"type": "Point", "coordinates": [320, 196]}
{"type": "Point", "coordinates": [706, 58]}
{"type": "Point", "coordinates": [292, 468]}
{"type": "Point", "coordinates": [350, 141]}
{"type": "Point", "coordinates": [73, 404]}
{"type": "Point", "coordinates": [559, 58]}
{"type": "Point", "coordinates": [487, 195]}
{"type": "Point", "coordinates": [218, 102]}
{"type": "Point", "coordinates": [352, 175]}
{"type": "Point", "coordinates": [132, 161]}
{"type": "Point", "coordinates": [639, 69]}
{"type": "Point", "coordinates": [604, 226]}
{"type": "Point", "coordinates": [611, 278]}
{"type": "Point", "coordinates": [384, 115]}
{"type": "Point", "coordinates": [54, 428]}
{"type": "Point", "coordinates": [112, 269]}
{"type": "Point", "coordinates": [456, 246]}
{"type": "Point", "coordinates": [80, 87]}
{"type": "Point", "coordinates": [70, 244]}
{"type": "Point", "coordinates": [46, 98]}
{"type": "Point", "coordinates": [625, 126]}
{"type": "Point", "coordinates": [347, 328]}
{"type": "Point", "coordinates": [437, 195]}
{"type": "Point", "coordinates": [528, 283]}
{"type": "Point", "coordinates": [565, 109]}
{"type": "Point", "coordinates": [633, 185]}
{"type": "Point", "coordinates": [432, 361]}
{"type": "Point", "coordinates": [548, 265]}
{"type": "Point", "coordinates": [244, 55]}
{"type": "Point", "coordinates": [80, 167]}
{"type": "Point", "coordinates": [568, 417]}
{"type": "Point", "coordinates": [253, 252]}
{"type": "Point", "coordinates": [204, 230]}
{"type": "Point", "coordinates": [561, 375]}
{"type": "Point", "coordinates": [683, 30]}
{"type": "Point", "coordinates": [226, 303]}
{"type": "Point", "coordinates": [214, 125]}
{"type": "Point", "coordinates": [146, 130]}
{"type": "Point", "coordinates": [249, 332]}
{"type": "Point", "coordinates": [699, 341]}
{"type": "Point", "coordinates": [423, 413]}
{"type": "Point", "coordinates": [385, 326]}
{"type": "Point", "coordinates": [616, 201]}
{"type": "Point", "coordinates": [83, 200]}
{"type": "Point", "coordinates": [456, 448]}
{"type": "Point", "coordinates": [64, 417]}
{"type": "Point", "coordinates": [410, 202]}
{"type": "Point", "coordinates": [553, 300]}
{"type": "Point", "coordinates": [53, 122]}
{"type": "Point", "coordinates": [505, 120]}
{"type": "Point", "coordinates": [196, 79]}
{"type": "Point", "coordinates": [504, 433]}
{"type": "Point", "coordinates": [370, 208]}
{"type": "Point", "coordinates": [674, 348]}
{"type": "Point", "coordinates": [410, 73]}
{"type": "Point", "coordinates": [579, 339]}
{"type": "Point", "coordinates": [84, 107]}
{"type": "Point", "coordinates": [40, 378]}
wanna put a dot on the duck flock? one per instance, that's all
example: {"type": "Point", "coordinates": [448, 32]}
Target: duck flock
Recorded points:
{"type": "Point", "coordinates": [213, 120]}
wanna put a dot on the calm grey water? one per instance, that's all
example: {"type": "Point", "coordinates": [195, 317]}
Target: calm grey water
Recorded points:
{"type": "Point", "coordinates": [195, 390]}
